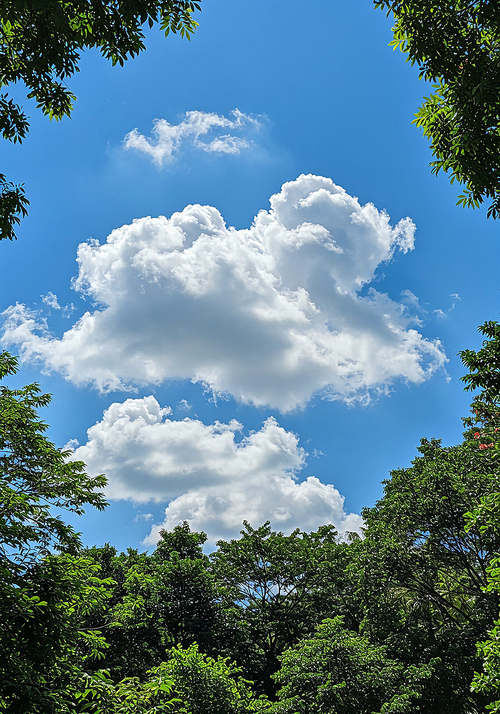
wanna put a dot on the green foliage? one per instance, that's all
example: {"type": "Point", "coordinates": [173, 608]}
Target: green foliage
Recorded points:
{"type": "Point", "coordinates": [161, 600]}
{"type": "Point", "coordinates": [129, 696]}
{"type": "Point", "coordinates": [277, 588]}
{"type": "Point", "coordinates": [185, 596]}
{"type": "Point", "coordinates": [487, 682]}
{"type": "Point", "coordinates": [13, 207]}
{"type": "Point", "coordinates": [423, 572]}
{"type": "Point", "coordinates": [188, 683]}
{"type": "Point", "coordinates": [43, 646]}
{"type": "Point", "coordinates": [35, 479]}
{"type": "Point", "coordinates": [419, 524]}
{"type": "Point", "coordinates": [456, 45]}
{"type": "Point", "coordinates": [484, 374]}
{"type": "Point", "coordinates": [180, 544]}
{"type": "Point", "coordinates": [339, 672]}
{"type": "Point", "coordinates": [131, 631]}
{"type": "Point", "coordinates": [44, 598]}
{"type": "Point", "coordinates": [396, 622]}
{"type": "Point", "coordinates": [429, 564]}
{"type": "Point", "coordinates": [40, 45]}
{"type": "Point", "coordinates": [208, 686]}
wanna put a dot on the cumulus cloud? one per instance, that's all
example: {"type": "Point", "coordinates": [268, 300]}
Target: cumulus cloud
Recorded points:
{"type": "Point", "coordinates": [209, 476]}
{"type": "Point", "coordinates": [199, 130]}
{"type": "Point", "coordinates": [271, 315]}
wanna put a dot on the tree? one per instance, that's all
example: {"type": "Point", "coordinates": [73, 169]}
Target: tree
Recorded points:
{"type": "Point", "coordinates": [184, 598]}
{"type": "Point", "coordinates": [40, 46]}
{"type": "Point", "coordinates": [101, 695]}
{"type": "Point", "coordinates": [131, 631]}
{"type": "Point", "coordinates": [487, 682]}
{"type": "Point", "coordinates": [161, 600]}
{"type": "Point", "coordinates": [44, 598]}
{"type": "Point", "coordinates": [189, 682]}
{"type": "Point", "coordinates": [36, 479]}
{"type": "Point", "coordinates": [338, 671]}
{"type": "Point", "coordinates": [277, 588]}
{"type": "Point", "coordinates": [456, 46]}
{"type": "Point", "coordinates": [484, 374]}
{"type": "Point", "coordinates": [428, 564]}
{"type": "Point", "coordinates": [44, 645]}
{"type": "Point", "coordinates": [423, 572]}
{"type": "Point", "coordinates": [206, 685]}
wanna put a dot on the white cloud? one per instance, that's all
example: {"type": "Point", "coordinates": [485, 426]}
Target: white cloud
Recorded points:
{"type": "Point", "coordinates": [200, 130]}
{"type": "Point", "coordinates": [51, 300]}
{"type": "Point", "coordinates": [68, 310]}
{"type": "Point", "coordinates": [210, 478]}
{"type": "Point", "coordinates": [412, 302]}
{"type": "Point", "coordinates": [184, 406]}
{"type": "Point", "coordinates": [143, 517]}
{"type": "Point", "coordinates": [226, 145]}
{"type": "Point", "coordinates": [71, 445]}
{"type": "Point", "coordinates": [271, 315]}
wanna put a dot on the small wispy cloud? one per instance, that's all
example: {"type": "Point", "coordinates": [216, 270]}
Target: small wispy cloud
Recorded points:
{"type": "Point", "coordinates": [411, 302]}
{"type": "Point", "coordinates": [72, 445]}
{"type": "Point", "coordinates": [205, 131]}
{"type": "Point", "coordinates": [184, 406]}
{"type": "Point", "coordinates": [143, 517]}
{"type": "Point", "coordinates": [440, 314]}
{"type": "Point", "coordinates": [50, 299]}
{"type": "Point", "coordinates": [410, 299]}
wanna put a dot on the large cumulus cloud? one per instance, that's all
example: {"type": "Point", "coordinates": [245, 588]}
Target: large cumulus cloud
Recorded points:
{"type": "Point", "coordinates": [271, 315]}
{"type": "Point", "coordinates": [211, 478]}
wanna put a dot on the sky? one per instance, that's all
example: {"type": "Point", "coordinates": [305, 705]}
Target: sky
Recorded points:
{"type": "Point", "coordinates": [238, 278]}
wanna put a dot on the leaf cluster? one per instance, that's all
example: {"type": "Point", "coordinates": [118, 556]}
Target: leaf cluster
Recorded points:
{"type": "Point", "coordinates": [36, 481]}
{"type": "Point", "coordinates": [456, 46]}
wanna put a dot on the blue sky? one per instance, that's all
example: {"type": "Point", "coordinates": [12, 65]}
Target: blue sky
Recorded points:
{"type": "Point", "coordinates": [318, 334]}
